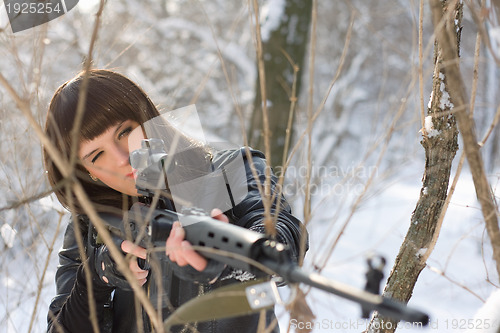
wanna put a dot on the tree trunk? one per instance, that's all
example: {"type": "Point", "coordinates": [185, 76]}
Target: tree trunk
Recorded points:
{"type": "Point", "coordinates": [467, 128]}
{"type": "Point", "coordinates": [286, 39]}
{"type": "Point", "coordinates": [440, 141]}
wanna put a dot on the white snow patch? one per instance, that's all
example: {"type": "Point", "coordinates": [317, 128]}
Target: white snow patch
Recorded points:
{"type": "Point", "coordinates": [271, 15]}
{"type": "Point", "coordinates": [488, 316]}
{"type": "Point", "coordinates": [88, 6]}
{"type": "Point", "coordinates": [429, 127]}
{"type": "Point", "coordinates": [421, 252]}
{"type": "Point", "coordinates": [494, 33]}
{"type": "Point", "coordinates": [173, 7]}
{"type": "Point", "coordinates": [49, 203]}
{"type": "Point", "coordinates": [9, 282]}
{"type": "Point", "coordinates": [8, 234]}
{"type": "Point", "coordinates": [269, 103]}
{"type": "Point", "coordinates": [444, 102]}
{"type": "Point", "coordinates": [4, 19]}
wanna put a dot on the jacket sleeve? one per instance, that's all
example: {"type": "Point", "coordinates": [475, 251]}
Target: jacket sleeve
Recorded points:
{"type": "Point", "coordinates": [249, 213]}
{"type": "Point", "coordinates": [69, 310]}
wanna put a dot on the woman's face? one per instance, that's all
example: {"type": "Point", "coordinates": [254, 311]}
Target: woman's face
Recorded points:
{"type": "Point", "coordinates": [106, 157]}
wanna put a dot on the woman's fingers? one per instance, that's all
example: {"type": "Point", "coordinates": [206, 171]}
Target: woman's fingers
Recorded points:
{"type": "Point", "coordinates": [140, 252]}
{"type": "Point", "coordinates": [140, 274]}
{"type": "Point", "coordinates": [217, 214]}
{"type": "Point", "coordinates": [179, 236]}
{"type": "Point", "coordinates": [193, 258]}
{"type": "Point", "coordinates": [172, 240]}
{"type": "Point", "coordinates": [136, 250]}
{"type": "Point", "coordinates": [180, 251]}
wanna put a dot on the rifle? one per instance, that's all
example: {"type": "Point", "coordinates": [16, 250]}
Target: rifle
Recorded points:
{"type": "Point", "coordinates": [230, 244]}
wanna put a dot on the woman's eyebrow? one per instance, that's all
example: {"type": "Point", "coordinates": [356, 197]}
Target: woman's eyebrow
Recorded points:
{"type": "Point", "coordinates": [115, 133]}
{"type": "Point", "coordinates": [119, 126]}
{"type": "Point", "coordinates": [88, 155]}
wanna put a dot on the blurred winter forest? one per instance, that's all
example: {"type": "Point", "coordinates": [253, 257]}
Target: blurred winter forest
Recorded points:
{"type": "Point", "coordinates": [360, 79]}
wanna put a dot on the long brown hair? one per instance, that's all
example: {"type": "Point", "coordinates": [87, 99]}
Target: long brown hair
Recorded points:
{"type": "Point", "coordinates": [111, 98]}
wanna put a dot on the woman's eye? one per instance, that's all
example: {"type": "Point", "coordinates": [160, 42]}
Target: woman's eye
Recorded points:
{"type": "Point", "coordinates": [125, 132]}
{"type": "Point", "coordinates": [96, 157]}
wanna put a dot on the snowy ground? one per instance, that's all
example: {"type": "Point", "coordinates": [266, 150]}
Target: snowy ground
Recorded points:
{"type": "Point", "coordinates": [379, 227]}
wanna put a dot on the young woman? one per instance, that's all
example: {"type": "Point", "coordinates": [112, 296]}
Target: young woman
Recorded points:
{"type": "Point", "coordinates": [114, 107]}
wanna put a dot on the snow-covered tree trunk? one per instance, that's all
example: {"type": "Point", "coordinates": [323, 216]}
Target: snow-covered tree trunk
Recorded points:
{"type": "Point", "coordinates": [440, 141]}
{"type": "Point", "coordinates": [285, 32]}
{"type": "Point", "coordinates": [467, 128]}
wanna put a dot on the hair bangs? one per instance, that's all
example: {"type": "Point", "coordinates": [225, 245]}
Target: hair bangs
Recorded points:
{"type": "Point", "coordinates": [109, 102]}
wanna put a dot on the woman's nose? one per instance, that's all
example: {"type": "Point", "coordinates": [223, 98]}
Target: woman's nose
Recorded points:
{"type": "Point", "coordinates": [121, 155]}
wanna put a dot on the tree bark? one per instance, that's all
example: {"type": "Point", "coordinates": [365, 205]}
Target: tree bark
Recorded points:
{"type": "Point", "coordinates": [288, 39]}
{"type": "Point", "coordinates": [440, 142]}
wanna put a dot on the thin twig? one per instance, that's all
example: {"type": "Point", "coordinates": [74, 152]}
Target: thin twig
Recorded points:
{"type": "Point", "coordinates": [267, 201]}
{"type": "Point", "coordinates": [82, 94]}
{"type": "Point", "coordinates": [360, 197]}
{"type": "Point", "coordinates": [440, 272]}
{"type": "Point", "coordinates": [493, 124]}
{"type": "Point", "coordinates": [33, 198]}
{"type": "Point", "coordinates": [481, 30]}
{"type": "Point", "coordinates": [75, 141]}
{"type": "Point", "coordinates": [421, 65]}
{"type": "Point", "coordinates": [330, 87]}
{"type": "Point", "coordinates": [312, 56]}
{"type": "Point", "coordinates": [44, 271]}
{"type": "Point", "coordinates": [475, 78]}
{"type": "Point", "coordinates": [268, 221]}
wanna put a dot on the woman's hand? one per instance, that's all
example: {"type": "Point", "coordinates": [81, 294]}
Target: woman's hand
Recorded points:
{"type": "Point", "coordinates": [180, 251]}
{"type": "Point", "coordinates": [140, 252]}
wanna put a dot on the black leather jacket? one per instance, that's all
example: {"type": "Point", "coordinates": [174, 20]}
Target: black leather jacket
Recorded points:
{"type": "Point", "coordinates": [115, 307]}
